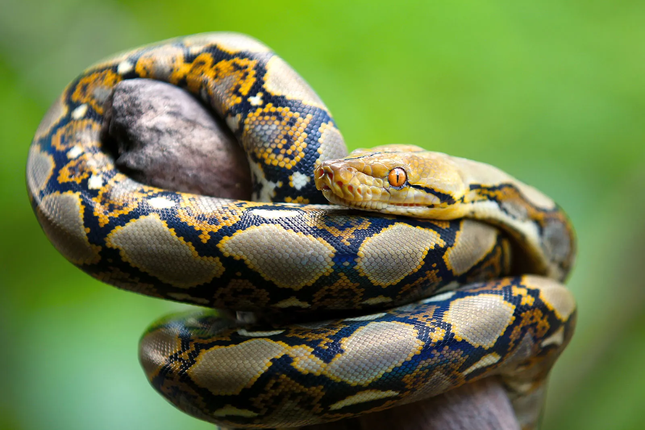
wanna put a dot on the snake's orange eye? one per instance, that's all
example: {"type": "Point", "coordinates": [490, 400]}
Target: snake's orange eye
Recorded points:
{"type": "Point", "coordinates": [397, 177]}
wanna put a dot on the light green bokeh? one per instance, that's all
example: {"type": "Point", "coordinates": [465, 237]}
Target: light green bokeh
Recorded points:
{"type": "Point", "coordinates": [552, 92]}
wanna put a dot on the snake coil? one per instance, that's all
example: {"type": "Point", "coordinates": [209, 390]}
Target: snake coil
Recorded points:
{"type": "Point", "coordinates": [465, 286]}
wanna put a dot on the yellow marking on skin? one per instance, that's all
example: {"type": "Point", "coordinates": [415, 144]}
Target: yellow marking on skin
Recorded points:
{"type": "Point", "coordinates": [94, 89]}
{"type": "Point", "coordinates": [363, 397]}
{"type": "Point", "coordinates": [351, 225]}
{"type": "Point", "coordinates": [40, 168]}
{"type": "Point", "coordinates": [119, 196]}
{"type": "Point", "coordinates": [480, 320]}
{"type": "Point", "coordinates": [373, 350]}
{"type": "Point", "coordinates": [527, 299]}
{"type": "Point", "coordinates": [75, 170]}
{"type": "Point", "coordinates": [276, 135]}
{"type": "Point", "coordinates": [282, 80]}
{"type": "Point", "coordinates": [377, 300]}
{"type": "Point", "coordinates": [396, 252]}
{"type": "Point", "coordinates": [437, 334]}
{"type": "Point", "coordinates": [61, 217]}
{"type": "Point", "coordinates": [227, 370]}
{"type": "Point", "coordinates": [83, 133]}
{"type": "Point", "coordinates": [56, 112]}
{"type": "Point", "coordinates": [473, 242]}
{"type": "Point", "coordinates": [162, 253]}
{"type": "Point", "coordinates": [208, 214]}
{"type": "Point", "coordinates": [485, 361]}
{"type": "Point", "coordinates": [297, 200]}
{"type": "Point", "coordinates": [288, 258]}
{"type": "Point", "coordinates": [428, 385]}
{"type": "Point", "coordinates": [554, 294]}
{"type": "Point", "coordinates": [292, 302]}
{"type": "Point", "coordinates": [305, 361]}
{"type": "Point", "coordinates": [228, 81]}
{"type": "Point", "coordinates": [160, 62]}
{"type": "Point", "coordinates": [229, 410]}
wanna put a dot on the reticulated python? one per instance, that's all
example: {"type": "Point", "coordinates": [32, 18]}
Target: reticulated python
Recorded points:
{"type": "Point", "coordinates": [466, 286]}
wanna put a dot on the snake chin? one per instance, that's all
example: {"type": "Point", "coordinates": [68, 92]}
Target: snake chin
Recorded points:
{"type": "Point", "coordinates": [410, 210]}
{"type": "Point", "coordinates": [367, 205]}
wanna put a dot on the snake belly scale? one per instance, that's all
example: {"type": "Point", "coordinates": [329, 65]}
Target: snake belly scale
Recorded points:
{"type": "Point", "coordinates": [457, 278]}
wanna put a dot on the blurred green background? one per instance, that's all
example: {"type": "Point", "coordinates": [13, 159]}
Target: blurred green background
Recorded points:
{"type": "Point", "coordinates": [552, 92]}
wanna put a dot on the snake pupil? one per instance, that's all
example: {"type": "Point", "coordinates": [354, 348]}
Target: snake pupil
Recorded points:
{"type": "Point", "coordinates": [397, 177]}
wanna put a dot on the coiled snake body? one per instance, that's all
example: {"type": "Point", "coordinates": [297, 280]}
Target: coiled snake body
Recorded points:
{"type": "Point", "coordinates": [491, 249]}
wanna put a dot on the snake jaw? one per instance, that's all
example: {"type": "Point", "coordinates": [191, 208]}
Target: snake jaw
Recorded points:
{"type": "Point", "coordinates": [345, 185]}
{"type": "Point", "coordinates": [362, 184]}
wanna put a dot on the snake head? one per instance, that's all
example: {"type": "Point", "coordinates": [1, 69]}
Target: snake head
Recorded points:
{"type": "Point", "coordinates": [395, 179]}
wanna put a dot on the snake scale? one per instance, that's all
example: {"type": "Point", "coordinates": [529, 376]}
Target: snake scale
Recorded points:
{"type": "Point", "coordinates": [457, 277]}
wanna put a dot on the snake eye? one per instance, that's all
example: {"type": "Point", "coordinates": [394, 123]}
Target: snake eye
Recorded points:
{"type": "Point", "coordinates": [397, 177]}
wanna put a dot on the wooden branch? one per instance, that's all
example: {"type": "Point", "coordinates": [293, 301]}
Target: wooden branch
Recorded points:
{"type": "Point", "coordinates": [477, 406]}
{"type": "Point", "coordinates": [162, 136]}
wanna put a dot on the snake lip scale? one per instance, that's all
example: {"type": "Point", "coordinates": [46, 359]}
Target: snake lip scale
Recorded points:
{"type": "Point", "coordinates": [458, 277]}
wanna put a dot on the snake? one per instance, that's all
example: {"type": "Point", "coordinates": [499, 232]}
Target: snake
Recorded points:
{"type": "Point", "coordinates": [399, 273]}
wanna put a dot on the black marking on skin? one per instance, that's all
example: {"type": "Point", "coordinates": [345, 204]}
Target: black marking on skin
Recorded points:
{"type": "Point", "coordinates": [443, 197]}
{"type": "Point", "coordinates": [501, 187]}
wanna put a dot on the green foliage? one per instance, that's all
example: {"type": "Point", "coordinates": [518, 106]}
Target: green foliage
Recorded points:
{"type": "Point", "coordinates": [552, 92]}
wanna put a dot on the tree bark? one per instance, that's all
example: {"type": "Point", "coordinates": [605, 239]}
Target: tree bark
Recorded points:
{"type": "Point", "coordinates": [480, 405]}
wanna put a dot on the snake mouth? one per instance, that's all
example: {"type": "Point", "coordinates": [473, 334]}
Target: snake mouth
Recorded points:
{"type": "Point", "coordinates": [367, 205]}
{"type": "Point", "coordinates": [348, 187]}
